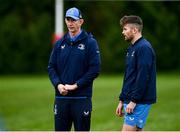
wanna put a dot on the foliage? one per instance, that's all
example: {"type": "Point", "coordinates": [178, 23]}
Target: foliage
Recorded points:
{"type": "Point", "coordinates": [160, 28]}
{"type": "Point", "coordinates": [27, 27]}
{"type": "Point", "coordinates": [26, 30]}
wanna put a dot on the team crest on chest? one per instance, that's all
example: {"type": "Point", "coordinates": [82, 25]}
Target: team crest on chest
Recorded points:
{"type": "Point", "coordinates": [81, 46]}
{"type": "Point", "coordinates": [132, 53]}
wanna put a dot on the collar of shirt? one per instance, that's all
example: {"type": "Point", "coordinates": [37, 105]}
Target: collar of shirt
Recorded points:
{"type": "Point", "coordinates": [73, 38]}
{"type": "Point", "coordinates": [136, 42]}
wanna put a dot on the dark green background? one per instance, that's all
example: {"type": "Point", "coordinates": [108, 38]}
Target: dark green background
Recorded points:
{"type": "Point", "coordinates": [27, 28]}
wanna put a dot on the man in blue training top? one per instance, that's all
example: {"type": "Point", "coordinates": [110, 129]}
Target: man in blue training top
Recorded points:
{"type": "Point", "coordinates": [73, 65]}
{"type": "Point", "coordinates": [139, 85]}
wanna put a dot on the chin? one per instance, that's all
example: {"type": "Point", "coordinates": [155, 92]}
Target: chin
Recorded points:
{"type": "Point", "coordinates": [71, 29]}
{"type": "Point", "coordinates": [128, 40]}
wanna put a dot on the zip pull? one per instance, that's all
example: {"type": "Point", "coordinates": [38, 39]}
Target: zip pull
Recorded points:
{"type": "Point", "coordinates": [71, 43]}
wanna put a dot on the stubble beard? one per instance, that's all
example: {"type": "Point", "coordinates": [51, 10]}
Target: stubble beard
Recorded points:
{"type": "Point", "coordinates": [128, 39]}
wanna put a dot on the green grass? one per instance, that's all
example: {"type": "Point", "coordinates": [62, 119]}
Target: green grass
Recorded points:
{"type": "Point", "coordinates": [26, 103]}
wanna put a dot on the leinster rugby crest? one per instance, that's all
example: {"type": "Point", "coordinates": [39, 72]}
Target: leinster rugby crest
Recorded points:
{"type": "Point", "coordinates": [81, 46]}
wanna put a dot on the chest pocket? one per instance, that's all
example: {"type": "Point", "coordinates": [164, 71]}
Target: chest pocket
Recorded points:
{"type": "Point", "coordinates": [79, 52]}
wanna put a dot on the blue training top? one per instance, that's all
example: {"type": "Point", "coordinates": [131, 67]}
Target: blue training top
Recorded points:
{"type": "Point", "coordinates": [139, 83]}
{"type": "Point", "coordinates": [75, 62]}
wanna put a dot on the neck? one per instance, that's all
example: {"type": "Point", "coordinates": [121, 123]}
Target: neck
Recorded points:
{"type": "Point", "coordinates": [73, 34]}
{"type": "Point", "coordinates": [136, 37]}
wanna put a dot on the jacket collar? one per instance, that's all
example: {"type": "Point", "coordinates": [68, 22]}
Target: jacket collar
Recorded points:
{"type": "Point", "coordinates": [136, 42]}
{"type": "Point", "coordinates": [82, 36]}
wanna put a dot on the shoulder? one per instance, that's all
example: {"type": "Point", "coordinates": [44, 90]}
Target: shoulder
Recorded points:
{"type": "Point", "coordinates": [144, 45]}
{"type": "Point", "coordinates": [144, 48]}
{"type": "Point", "coordinates": [91, 40]}
{"type": "Point", "coordinates": [59, 42]}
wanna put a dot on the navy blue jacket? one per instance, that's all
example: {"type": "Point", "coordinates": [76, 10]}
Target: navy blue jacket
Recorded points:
{"type": "Point", "coordinates": [75, 62]}
{"type": "Point", "coordinates": [139, 83]}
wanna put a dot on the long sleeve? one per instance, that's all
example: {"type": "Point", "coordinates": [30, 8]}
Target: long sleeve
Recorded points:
{"type": "Point", "coordinates": [52, 67]}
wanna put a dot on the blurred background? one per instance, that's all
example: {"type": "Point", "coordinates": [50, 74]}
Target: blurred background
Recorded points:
{"type": "Point", "coordinates": [27, 31]}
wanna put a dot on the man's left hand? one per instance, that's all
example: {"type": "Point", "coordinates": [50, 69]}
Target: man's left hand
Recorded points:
{"type": "Point", "coordinates": [71, 87]}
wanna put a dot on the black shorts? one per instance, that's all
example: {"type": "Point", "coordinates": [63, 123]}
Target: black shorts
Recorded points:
{"type": "Point", "coordinates": [72, 110]}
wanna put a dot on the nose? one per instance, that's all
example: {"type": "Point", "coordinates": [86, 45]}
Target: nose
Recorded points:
{"type": "Point", "coordinates": [69, 23]}
{"type": "Point", "coordinates": [123, 32]}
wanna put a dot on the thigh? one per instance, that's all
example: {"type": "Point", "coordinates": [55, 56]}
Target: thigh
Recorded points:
{"type": "Point", "coordinates": [127, 127]}
{"type": "Point", "coordinates": [142, 116]}
{"type": "Point", "coordinates": [63, 118]}
{"type": "Point", "coordinates": [81, 112]}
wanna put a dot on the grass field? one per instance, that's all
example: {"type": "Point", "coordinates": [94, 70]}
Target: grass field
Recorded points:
{"type": "Point", "coordinates": [26, 103]}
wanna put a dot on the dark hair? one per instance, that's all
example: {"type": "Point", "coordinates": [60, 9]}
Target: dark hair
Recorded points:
{"type": "Point", "coordinates": [132, 19]}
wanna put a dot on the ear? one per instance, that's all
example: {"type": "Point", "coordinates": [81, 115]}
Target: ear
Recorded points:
{"type": "Point", "coordinates": [81, 21]}
{"type": "Point", "coordinates": [135, 30]}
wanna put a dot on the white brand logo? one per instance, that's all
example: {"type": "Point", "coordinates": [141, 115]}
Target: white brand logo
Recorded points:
{"type": "Point", "coordinates": [86, 113]}
{"type": "Point", "coordinates": [55, 109]}
{"type": "Point", "coordinates": [140, 121]}
{"type": "Point", "coordinates": [63, 46]}
{"type": "Point", "coordinates": [131, 118]}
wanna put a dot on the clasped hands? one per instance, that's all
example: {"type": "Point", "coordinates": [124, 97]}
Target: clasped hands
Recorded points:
{"type": "Point", "coordinates": [63, 89]}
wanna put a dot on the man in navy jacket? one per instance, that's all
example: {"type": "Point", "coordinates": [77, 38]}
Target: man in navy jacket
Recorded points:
{"type": "Point", "coordinates": [73, 65]}
{"type": "Point", "coordinates": [139, 85]}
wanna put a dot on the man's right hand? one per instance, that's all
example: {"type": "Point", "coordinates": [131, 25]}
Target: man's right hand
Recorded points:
{"type": "Point", "coordinates": [62, 89]}
{"type": "Point", "coordinates": [119, 109]}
